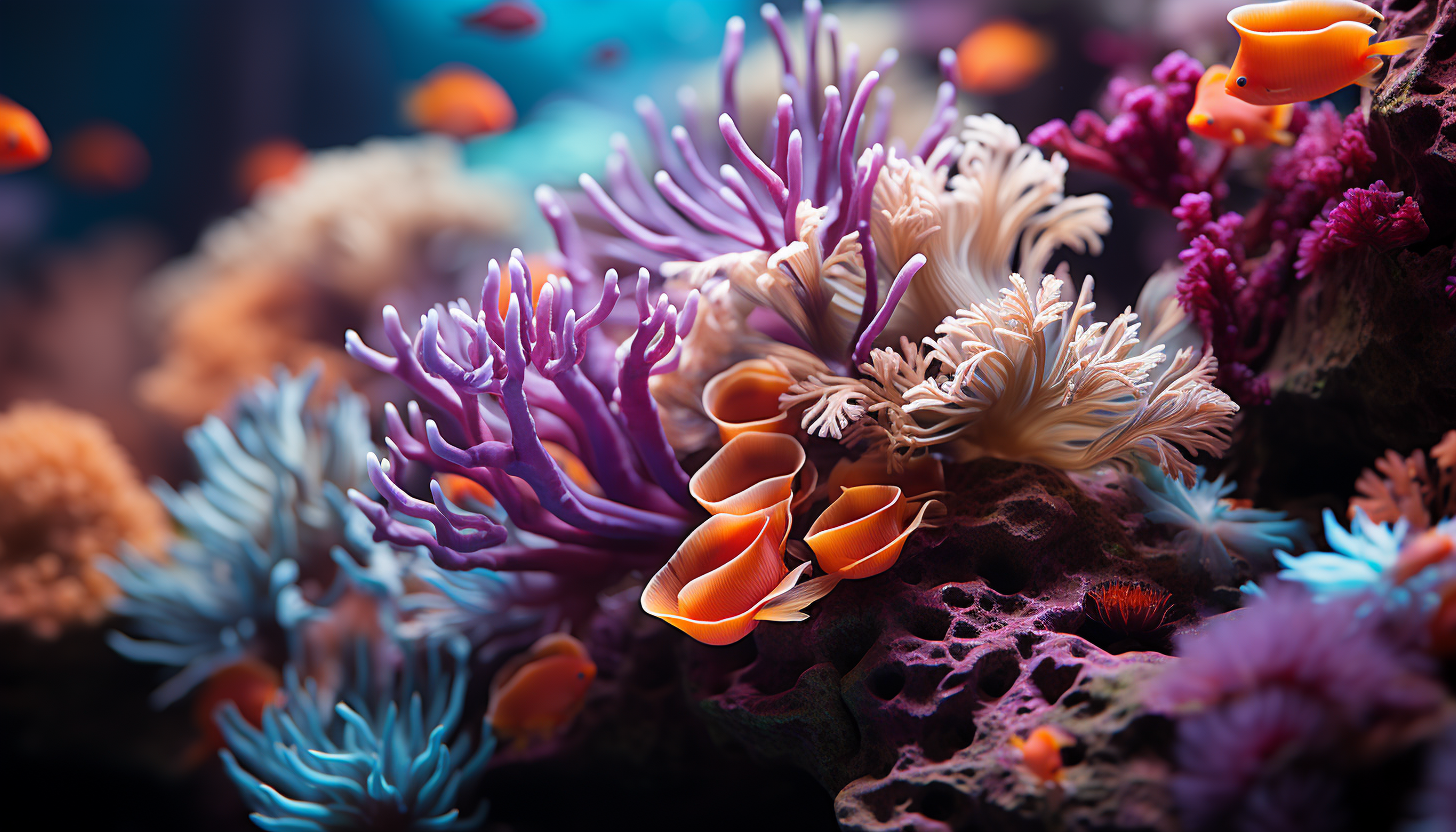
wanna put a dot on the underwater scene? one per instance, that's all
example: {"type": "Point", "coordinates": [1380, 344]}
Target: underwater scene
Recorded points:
{"type": "Point", "coordinates": [520, 415]}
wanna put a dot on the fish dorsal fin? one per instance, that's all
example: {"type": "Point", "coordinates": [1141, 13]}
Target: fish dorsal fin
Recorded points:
{"type": "Point", "coordinates": [1301, 16]}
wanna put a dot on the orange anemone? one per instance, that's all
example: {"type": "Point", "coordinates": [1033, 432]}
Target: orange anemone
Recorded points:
{"type": "Point", "coordinates": [863, 530]}
{"type": "Point", "coordinates": [917, 476]}
{"type": "Point", "coordinates": [726, 577]}
{"type": "Point", "coordinates": [745, 399]}
{"type": "Point", "coordinates": [753, 472]}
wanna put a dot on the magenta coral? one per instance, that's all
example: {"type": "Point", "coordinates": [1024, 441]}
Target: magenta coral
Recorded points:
{"type": "Point", "coordinates": [1373, 218]}
{"type": "Point", "coordinates": [1146, 146]}
{"type": "Point", "coordinates": [492, 394]}
{"type": "Point", "coordinates": [1330, 155]}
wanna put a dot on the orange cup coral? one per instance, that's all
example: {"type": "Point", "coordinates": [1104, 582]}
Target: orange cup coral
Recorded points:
{"type": "Point", "coordinates": [726, 577]}
{"type": "Point", "coordinates": [745, 398]}
{"type": "Point", "coordinates": [68, 496]}
{"type": "Point", "coordinates": [863, 530]}
{"type": "Point", "coordinates": [751, 473]}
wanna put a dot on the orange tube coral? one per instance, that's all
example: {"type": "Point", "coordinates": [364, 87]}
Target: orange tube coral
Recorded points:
{"type": "Point", "coordinates": [917, 476]}
{"type": "Point", "coordinates": [68, 495]}
{"type": "Point", "coordinates": [863, 530]}
{"type": "Point", "coordinates": [745, 398]}
{"type": "Point", "coordinates": [751, 473]}
{"type": "Point", "coordinates": [727, 576]}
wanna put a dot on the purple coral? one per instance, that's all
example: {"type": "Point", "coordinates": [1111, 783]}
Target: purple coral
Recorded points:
{"type": "Point", "coordinates": [1373, 218]}
{"type": "Point", "coordinates": [1281, 704]}
{"type": "Point", "coordinates": [1146, 146]}
{"type": "Point", "coordinates": [1330, 155]}
{"type": "Point", "coordinates": [492, 394]}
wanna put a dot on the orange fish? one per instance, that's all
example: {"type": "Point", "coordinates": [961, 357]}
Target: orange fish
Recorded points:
{"type": "Point", "coordinates": [1220, 117]}
{"type": "Point", "coordinates": [274, 160]}
{"type": "Point", "coordinates": [104, 156]}
{"type": "Point", "coordinates": [538, 692]}
{"type": "Point", "coordinates": [458, 488]}
{"type": "Point", "coordinates": [1001, 57]}
{"type": "Point", "coordinates": [1300, 50]}
{"type": "Point", "coordinates": [1041, 752]}
{"type": "Point", "coordinates": [460, 101]}
{"type": "Point", "coordinates": [23, 142]}
{"type": "Point", "coordinates": [250, 684]}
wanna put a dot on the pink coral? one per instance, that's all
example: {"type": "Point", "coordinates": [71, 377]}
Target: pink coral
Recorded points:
{"type": "Point", "coordinates": [1146, 146]}
{"type": "Point", "coordinates": [1373, 218]}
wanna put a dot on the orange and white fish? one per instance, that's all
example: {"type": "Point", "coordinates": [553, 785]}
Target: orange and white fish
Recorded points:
{"type": "Point", "coordinates": [23, 142]}
{"type": "Point", "coordinates": [1300, 50]}
{"type": "Point", "coordinates": [538, 692]}
{"type": "Point", "coordinates": [460, 101]}
{"type": "Point", "coordinates": [1041, 752]}
{"type": "Point", "coordinates": [1218, 116]}
{"type": "Point", "coordinates": [1002, 56]}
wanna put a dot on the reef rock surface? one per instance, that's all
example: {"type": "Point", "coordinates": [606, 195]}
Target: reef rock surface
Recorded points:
{"type": "Point", "coordinates": [902, 691]}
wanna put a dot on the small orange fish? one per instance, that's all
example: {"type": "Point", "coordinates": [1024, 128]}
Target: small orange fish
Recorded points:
{"type": "Point", "coordinates": [458, 488]}
{"type": "Point", "coordinates": [273, 160]}
{"type": "Point", "coordinates": [1220, 117]}
{"type": "Point", "coordinates": [1002, 56]}
{"type": "Point", "coordinates": [23, 142]}
{"type": "Point", "coordinates": [460, 101]}
{"type": "Point", "coordinates": [250, 684]}
{"type": "Point", "coordinates": [104, 156]}
{"type": "Point", "coordinates": [538, 692]}
{"type": "Point", "coordinates": [1041, 752]}
{"type": "Point", "coordinates": [1300, 50]}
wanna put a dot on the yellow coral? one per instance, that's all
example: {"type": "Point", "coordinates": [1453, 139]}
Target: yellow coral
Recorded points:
{"type": "Point", "coordinates": [68, 496]}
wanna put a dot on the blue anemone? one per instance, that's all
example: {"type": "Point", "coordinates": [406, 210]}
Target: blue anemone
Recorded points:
{"type": "Point", "coordinates": [1211, 527]}
{"type": "Point", "coordinates": [377, 757]}
{"type": "Point", "coordinates": [269, 508]}
{"type": "Point", "coordinates": [1360, 558]}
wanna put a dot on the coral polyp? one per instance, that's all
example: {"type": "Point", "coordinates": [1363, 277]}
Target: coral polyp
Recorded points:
{"type": "Point", "coordinates": [1128, 607]}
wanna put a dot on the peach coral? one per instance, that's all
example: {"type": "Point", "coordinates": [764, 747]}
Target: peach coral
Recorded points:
{"type": "Point", "coordinates": [1416, 487]}
{"type": "Point", "coordinates": [70, 496]}
{"type": "Point", "coordinates": [1026, 380]}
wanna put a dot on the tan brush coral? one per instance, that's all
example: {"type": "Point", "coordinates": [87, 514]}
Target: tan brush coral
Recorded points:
{"type": "Point", "coordinates": [70, 496]}
{"type": "Point", "coordinates": [1032, 380]}
{"type": "Point", "coordinates": [1419, 487]}
{"type": "Point", "coordinates": [1003, 200]}
{"type": "Point", "coordinates": [280, 282]}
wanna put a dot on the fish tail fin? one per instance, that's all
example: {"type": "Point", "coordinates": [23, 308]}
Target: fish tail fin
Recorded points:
{"type": "Point", "coordinates": [1368, 80]}
{"type": "Point", "coordinates": [1398, 45]}
{"type": "Point", "coordinates": [1282, 116]}
{"type": "Point", "coordinates": [1017, 742]}
{"type": "Point", "coordinates": [788, 605]}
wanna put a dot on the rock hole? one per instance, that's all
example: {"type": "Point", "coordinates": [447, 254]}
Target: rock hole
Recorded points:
{"type": "Point", "coordinates": [1026, 642]}
{"type": "Point", "coordinates": [1441, 47]}
{"type": "Point", "coordinates": [940, 802]}
{"type": "Point", "coordinates": [1007, 576]}
{"type": "Point", "coordinates": [928, 623]}
{"type": "Point", "coordinates": [1052, 680]}
{"type": "Point", "coordinates": [965, 629]}
{"type": "Point", "coordinates": [941, 745]}
{"type": "Point", "coordinates": [911, 574]}
{"type": "Point", "coordinates": [886, 683]}
{"type": "Point", "coordinates": [849, 640]}
{"type": "Point", "coordinates": [959, 650]}
{"type": "Point", "coordinates": [957, 597]}
{"type": "Point", "coordinates": [997, 672]}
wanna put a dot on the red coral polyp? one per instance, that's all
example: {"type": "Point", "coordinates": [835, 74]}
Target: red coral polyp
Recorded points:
{"type": "Point", "coordinates": [1129, 607]}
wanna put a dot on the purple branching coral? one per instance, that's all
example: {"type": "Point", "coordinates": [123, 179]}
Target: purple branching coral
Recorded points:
{"type": "Point", "coordinates": [1146, 146]}
{"type": "Point", "coordinates": [492, 394]}
{"type": "Point", "coordinates": [1373, 218]}
{"type": "Point", "coordinates": [1282, 706]}
{"type": "Point", "coordinates": [804, 249]}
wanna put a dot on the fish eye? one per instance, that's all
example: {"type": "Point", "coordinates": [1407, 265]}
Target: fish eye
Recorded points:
{"type": "Point", "coordinates": [1242, 81]}
{"type": "Point", "coordinates": [580, 674]}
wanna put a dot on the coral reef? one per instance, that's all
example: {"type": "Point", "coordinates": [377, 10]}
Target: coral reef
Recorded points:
{"type": "Point", "coordinates": [1413, 488]}
{"type": "Point", "coordinates": [70, 498]}
{"type": "Point", "coordinates": [902, 692]}
{"type": "Point", "coordinates": [390, 221]}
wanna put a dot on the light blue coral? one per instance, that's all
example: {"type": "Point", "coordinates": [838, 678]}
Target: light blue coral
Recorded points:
{"type": "Point", "coordinates": [269, 506]}
{"type": "Point", "coordinates": [380, 757]}
{"type": "Point", "coordinates": [1211, 528]}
